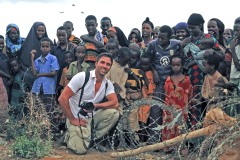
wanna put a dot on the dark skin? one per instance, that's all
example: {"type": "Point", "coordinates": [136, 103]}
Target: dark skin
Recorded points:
{"type": "Point", "coordinates": [233, 44]}
{"type": "Point", "coordinates": [45, 48]}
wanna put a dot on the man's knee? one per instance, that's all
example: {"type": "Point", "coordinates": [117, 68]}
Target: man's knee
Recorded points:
{"type": "Point", "coordinates": [75, 143]}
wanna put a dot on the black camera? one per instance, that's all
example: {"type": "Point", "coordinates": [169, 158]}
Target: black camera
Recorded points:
{"type": "Point", "coordinates": [86, 106]}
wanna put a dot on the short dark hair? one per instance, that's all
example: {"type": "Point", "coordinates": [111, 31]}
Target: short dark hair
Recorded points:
{"type": "Point", "coordinates": [177, 56]}
{"type": "Point", "coordinates": [212, 59]}
{"type": "Point", "coordinates": [75, 48]}
{"type": "Point", "coordinates": [69, 52]}
{"type": "Point", "coordinates": [104, 54]}
{"type": "Point", "coordinates": [113, 40]}
{"type": "Point", "coordinates": [166, 29]}
{"type": "Point", "coordinates": [45, 39]}
{"type": "Point", "coordinates": [1, 37]}
{"type": "Point", "coordinates": [62, 28]}
{"type": "Point", "coordinates": [68, 22]}
{"type": "Point", "coordinates": [14, 59]}
{"type": "Point", "coordinates": [106, 18]}
{"type": "Point", "coordinates": [91, 17]}
{"type": "Point", "coordinates": [124, 51]}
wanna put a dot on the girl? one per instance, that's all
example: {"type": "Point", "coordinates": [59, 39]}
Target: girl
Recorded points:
{"type": "Point", "coordinates": [13, 40]}
{"type": "Point", "coordinates": [147, 31]}
{"type": "Point", "coordinates": [178, 90]}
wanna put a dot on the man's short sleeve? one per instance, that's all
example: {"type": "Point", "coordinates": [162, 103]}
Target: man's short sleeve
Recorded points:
{"type": "Point", "coordinates": [76, 82]}
{"type": "Point", "coordinates": [110, 88]}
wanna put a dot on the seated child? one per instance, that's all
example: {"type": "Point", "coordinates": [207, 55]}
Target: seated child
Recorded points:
{"type": "Point", "coordinates": [79, 65]}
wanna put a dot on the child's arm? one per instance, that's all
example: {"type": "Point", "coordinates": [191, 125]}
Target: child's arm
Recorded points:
{"type": "Point", "coordinates": [146, 83]}
{"type": "Point", "coordinates": [86, 38]}
{"type": "Point", "coordinates": [33, 52]}
{"type": "Point", "coordinates": [10, 79]}
{"type": "Point", "coordinates": [51, 74]}
{"type": "Point", "coordinates": [234, 55]}
{"type": "Point", "coordinates": [129, 71]}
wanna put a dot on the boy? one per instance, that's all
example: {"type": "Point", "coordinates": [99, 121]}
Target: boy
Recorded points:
{"type": "Point", "coordinates": [60, 50]}
{"type": "Point", "coordinates": [71, 38]}
{"type": "Point", "coordinates": [79, 65]}
{"type": "Point", "coordinates": [93, 40]}
{"type": "Point", "coordinates": [21, 85]}
{"type": "Point", "coordinates": [117, 75]}
{"type": "Point", "coordinates": [113, 47]}
{"type": "Point", "coordinates": [106, 23]}
{"type": "Point", "coordinates": [45, 70]}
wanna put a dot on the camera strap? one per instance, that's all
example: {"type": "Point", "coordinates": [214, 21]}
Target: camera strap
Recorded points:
{"type": "Point", "coordinates": [87, 75]}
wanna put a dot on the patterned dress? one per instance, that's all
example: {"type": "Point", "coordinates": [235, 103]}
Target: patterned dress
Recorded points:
{"type": "Point", "coordinates": [177, 97]}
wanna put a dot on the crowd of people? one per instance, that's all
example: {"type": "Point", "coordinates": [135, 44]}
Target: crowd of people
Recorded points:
{"type": "Point", "coordinates": [181, 65]}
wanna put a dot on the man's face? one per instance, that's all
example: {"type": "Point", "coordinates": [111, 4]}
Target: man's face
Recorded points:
{"type": "Point", "coordinates": [105, 25]}
{"type": "Point", "coordinates": [194, 29]}
{"type": "Point", "coordinates": [69, 27]}
{"type": "Point", "coordinates": [103, 65]}
{"type": "Point", "coordinates": [163, 39]}
{"type": "Point", "coordinates": [91, 26]}
{"type": "Point", "coordinates": [62, 36]}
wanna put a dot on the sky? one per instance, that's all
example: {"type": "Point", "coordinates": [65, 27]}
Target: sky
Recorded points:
{"type": "Point", "coordinates": [126, 14]}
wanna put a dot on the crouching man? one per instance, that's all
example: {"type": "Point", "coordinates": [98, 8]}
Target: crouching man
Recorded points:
{"type": "Point", "coordinates": [88, 117]}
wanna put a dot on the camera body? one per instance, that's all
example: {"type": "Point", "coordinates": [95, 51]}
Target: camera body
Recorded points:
{"type": "Point", "coordinates": [86, 106]}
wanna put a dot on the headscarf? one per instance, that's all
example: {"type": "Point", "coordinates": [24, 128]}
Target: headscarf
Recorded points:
{"type": "Point", "coordinates": [122, 39]}
{"type": "Point", "coordinates": [31, 42]}
{"type": "Point", "coordinates": [14, 49]}
{"type": "Point", "coordinates": [196, 19]}
{"type": "Point", "coordinates": [221, 26]}
{"type": "Point", "coordinates": [182, 25]}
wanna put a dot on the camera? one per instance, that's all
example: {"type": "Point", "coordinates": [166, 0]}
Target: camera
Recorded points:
{"type": "Point", "coordinates": [86, 106]}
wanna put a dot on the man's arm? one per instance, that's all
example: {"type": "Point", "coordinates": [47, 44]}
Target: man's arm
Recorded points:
{"type": "Point", "coordinates": [64, 104]}
{"type": "Point", "coordinates": [111, 103]}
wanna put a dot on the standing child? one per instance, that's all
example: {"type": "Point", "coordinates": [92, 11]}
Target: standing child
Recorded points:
{"type": "Point", "coordinates": [71, 38]}
{"type": "Point", "coordinates": [79, 65]}
{"type": "Point", "coordinates": [21, 85]}
{"type": "Point", "coordinates": [45, 70]}
{"type": "Point", "coordinates": [178, 90]}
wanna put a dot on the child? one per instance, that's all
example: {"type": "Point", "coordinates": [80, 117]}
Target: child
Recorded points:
{"type": "Point", "coordinates": [21, 86]}
{"type": "Point", "coordinates": [4, 68]}
{"type": "Point", "coordinates": [92, 41]}
{"type": "Point", "coordinates": [106, 23]}
{"type": "Point", "coordinates": [117, 75]}
{"type": "Point", "coordinates": [79, 65]}
{"type": "Point", "coordinates": [3, 62]}
{"type": "Point", "coordinates": [61, 49]}
{"type": "Point", "coordinates": [69, 58]}
{"type": "Point", "coordinates": [45, 70]}
{"type": "Point", "coordinates": [178, 90]}
{"type": "Point", "coordinates": [213, 80]}
{"type": "Point", "coordinates": [13, 40]}
{"type": "Point", "coordinates": [71, 38]}
{"type": "Point", "coordinates": [136, 53]}
{"type": "Point", "coordinates": [113, 47]}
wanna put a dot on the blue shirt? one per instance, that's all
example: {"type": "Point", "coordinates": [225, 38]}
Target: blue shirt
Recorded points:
{"type": "Point", "coordinates": [45, 65]}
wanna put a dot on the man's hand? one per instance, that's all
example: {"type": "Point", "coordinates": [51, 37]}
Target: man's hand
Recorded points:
{"type": "Point", "coordinates": [33, 52]}
{"type": "Point", "coordinates": [156, 77]}
{"type": "Point", "coordinates": [79, 122]}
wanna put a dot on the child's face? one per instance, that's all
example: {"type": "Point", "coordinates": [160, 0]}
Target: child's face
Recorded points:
{"type": "Point", "coordinates": [181, 34]}
{"type": "Point", "coordinates": [111, 34]}
{"type": "Point", "coordinates": [227, 34]}
{"type": "Point", "coordinates": [155, 33]}
{"type": "Point", "coordinates": [236, 30]}
{"type": "Point", "coordinates": [45, 47]}
{"type": "Point", "coordinates": [91, 26]}
{"type": "Point", "coordinates": [1, 44]}
{"type": "Point", "coordinates": [62, 36]}
{"type": "Point", "coordinates": [13, 34]}
{"type": "Point", "coordinates": [112, 48]}
{"type": "Point", "coordinates": [69, 58]}
{"type": "Point", "coordinates": [40, 31]}
{"type": "Point", "coordinates": [105, 25]}
{"type": "Point", "coordinates": [135, 57]}
{"type": "Point", "coordinates": [176, 65]}
{"type": "Point", "coordinates": [146, 30]}
{"type": "Point", "coordinates": [80, 52]}
{"type": "Point", "coordinates": [134, 38]}
{"type": "Point", "coordinates": [124, 60]}
{"type": "Point", "coordinates": [14, 66]}
{"type": "Point", "coordinates": [145, 64]}
{"type": "Point", "coordinates": [207, 68]}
